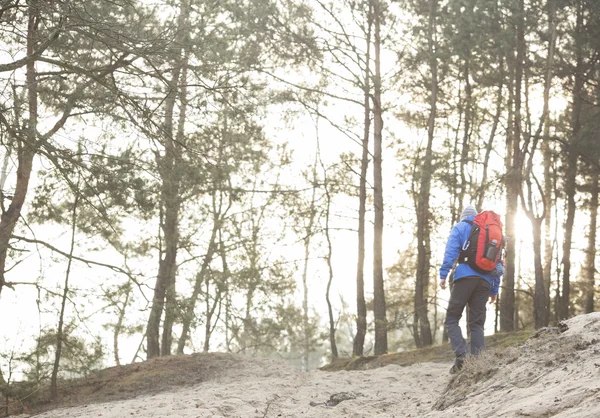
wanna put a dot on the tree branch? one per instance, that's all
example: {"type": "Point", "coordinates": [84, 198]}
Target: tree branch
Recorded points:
{"type": "Point", "coordinates": [83, 260]}
{"type": "Point", "coordinates": [35, 56]}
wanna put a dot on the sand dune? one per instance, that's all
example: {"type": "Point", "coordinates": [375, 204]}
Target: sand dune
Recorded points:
{"type": "Point", "coordinates": [556, 374]}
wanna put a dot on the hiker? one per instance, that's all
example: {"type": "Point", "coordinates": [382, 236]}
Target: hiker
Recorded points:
{"type": "Point", "coordinates": [473, 284]}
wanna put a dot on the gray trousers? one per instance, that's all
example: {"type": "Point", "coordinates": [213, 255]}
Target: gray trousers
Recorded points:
{"type": "Point", "coordinates": [472, 291]}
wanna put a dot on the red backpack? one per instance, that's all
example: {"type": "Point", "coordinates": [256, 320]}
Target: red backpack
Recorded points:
{"type": "Point", "coordinates": [483, 248]}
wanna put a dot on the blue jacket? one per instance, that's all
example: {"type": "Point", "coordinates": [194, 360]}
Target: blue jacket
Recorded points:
{"type": "Point", "coordinates": [459, 235]}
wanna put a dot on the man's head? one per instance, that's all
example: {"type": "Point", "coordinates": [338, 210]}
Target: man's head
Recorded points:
{"type": "Point", "coordinates": [468, 211]}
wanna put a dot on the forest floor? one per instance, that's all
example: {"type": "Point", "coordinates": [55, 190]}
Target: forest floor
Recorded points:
{"type": "Point", "coordinates": [555, 372]}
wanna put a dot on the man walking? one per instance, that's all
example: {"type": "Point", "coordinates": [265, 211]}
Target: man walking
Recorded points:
{"type": "Point", "coordinates": [472, 287]}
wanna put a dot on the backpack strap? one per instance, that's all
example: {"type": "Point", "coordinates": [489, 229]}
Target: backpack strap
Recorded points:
{"type": "Point", "coordinates": [463, 254]}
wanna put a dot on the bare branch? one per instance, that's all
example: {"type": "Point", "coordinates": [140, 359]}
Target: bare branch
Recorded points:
{"type": "Point", "coordinates": [65, 254]}
{"type": "Point", "coordinates": [33, 57]}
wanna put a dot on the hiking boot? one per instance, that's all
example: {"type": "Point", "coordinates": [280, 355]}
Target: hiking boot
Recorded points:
{"type": "Point", "coordinates": [458, 364]}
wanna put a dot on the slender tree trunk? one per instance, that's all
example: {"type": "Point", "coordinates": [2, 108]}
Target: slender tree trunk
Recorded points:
{"type": "Point", "coordinates": [201, 276]}
{"type": "Point", "coordinates": [571, 168]}
{"type": "Point", "coordinates": [171, 234]}
{"type": "Point", "coordinates": [379, 306]}
{"type": "Point", "coordinates": [207, 316]}
{"type": "Point", "coordinates": [210, 312]}
{"type": "Point", "coordinates": [171, 306]}
{"type": "Point", "coordinates": [547, 152]}
{"type": "Point", "coordinates": [170, 200]}
{"type": "Point", "coordinates": [328, 257]}
{"type": "Point", "coordinates": [518, 294]}
{"type": "Point", "coordinates": [539, 302]}
{"type": "Point", "coordinates": [547, 161]}
{"type": "Point", "coordinates": [557, 260]}
{"type": "Point", "coordinates": [423, 215]}
{"type": "Point", "coordinates": [307, 239]}
{"type": "Point", "coordinates": [225, 285]}
{"type": "Point", "coordinates": [513, 179]}
{"type": "Point", "coordinates": [167, 262]}
{"type": "Point", "coordinates": [496, 317]}
{"type": "Point", "coordinates": [540, 295]}
{"type": "Point", "coordinates": [253, 282]}
{"type": "Point", "coordinates": [63, 304]}
{"type": "Point", "coordinates": [247, 328]}
{"type": "Point", "coordinates": [590, 263]}
{"type": "Point", "coordinates": [361, 306]}
{"type": "Point", "coordinates": [334, 350]}
{"type": "Point", "coordinates": [228, 298]}
{"type": "Point", "coordinates": [119, 325]}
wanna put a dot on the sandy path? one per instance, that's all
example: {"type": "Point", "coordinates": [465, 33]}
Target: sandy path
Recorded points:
{"type": "Point", "coordinates": [263, 388]}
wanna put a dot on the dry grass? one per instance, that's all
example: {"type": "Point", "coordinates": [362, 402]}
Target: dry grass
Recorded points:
{"type": "Point", "coordinates": [126, 382]}
{"type": "Point", "coordinates": [477, 376]}
{"type": "Point", "coordinates": [437, 354]}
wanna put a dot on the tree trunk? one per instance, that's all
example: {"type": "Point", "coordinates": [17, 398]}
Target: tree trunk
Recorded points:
{"type": "Point", "coordinates": [307, 239]}
{"type": "Point", "coordinates": [590, 263]}
{"type": "Point", "coordinates": [361, 306]}
{"type": "Point", "coordinates": [228, 297]}
{"type": "Point", "coordinates": [334, 350]}
{"type": "Point", "coordinates": [253, 281]}
{"type": "Point", "coordinates": [171, 306]}
{"type": "Point", "coordinates": [423, 215]}
{"type": "Point", "coordinates": [571, 169]}
{"type": "Point", "coordinates": [379, 307]}
{"type": "Point", "coordinates": [539, 301]}
{"type": "Point", "coordinates": [170, 200]}
{"type": "Point", "coordinates": [190, 305]}
{"type": "Point", "coordinates": [547, 152]}
{"type": "Point", "coordinates": [547, 161]}
{"type": "Point", "coordinates": [557, 260]}
{"type": "Point", "coordinates": [513, 180]}
{"type": "Point", "coordinates": [119, 325]}
{"type": "Point", "coordinates": [225, 286]}
{"type": "Point", "coordinates": [496, 317]}
{"type": "Point", "coordinates": [63, 304]}
{"type": "Point", "coordinates": [518, 294]}
{"type": "Point", "coordinates": [210, 312]}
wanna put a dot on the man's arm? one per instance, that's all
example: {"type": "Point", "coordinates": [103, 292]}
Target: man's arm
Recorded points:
{"type": "Point", "coordinates": [496, 275]}
{"type": "Point", "coordinates": [450, 255]}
